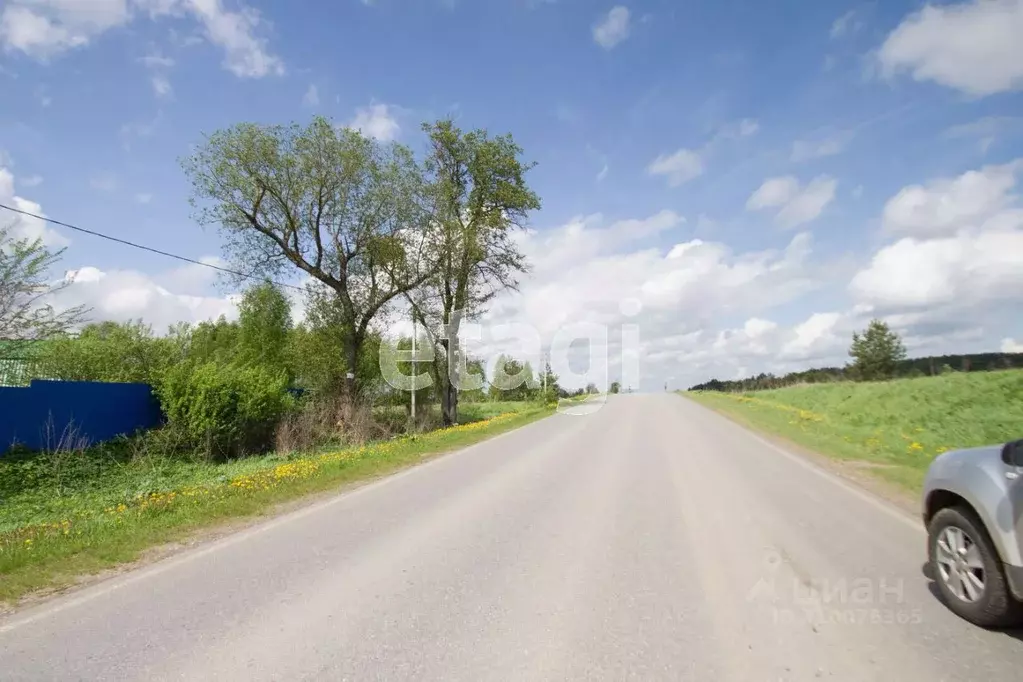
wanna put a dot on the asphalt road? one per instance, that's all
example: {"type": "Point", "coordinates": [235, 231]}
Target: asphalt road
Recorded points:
{"type": "Point", "coordinates": [651, 539]}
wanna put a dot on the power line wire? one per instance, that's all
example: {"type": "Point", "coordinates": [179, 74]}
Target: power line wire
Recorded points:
{"type": "Point", "coordinates": [145, 248]}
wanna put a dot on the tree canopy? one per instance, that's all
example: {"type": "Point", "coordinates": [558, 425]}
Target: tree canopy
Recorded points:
{"type": "Point", "coordinates": [341, 208]}
{"type": "Point", "coordinates": [876, 352]}
{"type": "Point", "coordinates": [477, 196]}
{"type": "Point", "coordinates": [26, 316]}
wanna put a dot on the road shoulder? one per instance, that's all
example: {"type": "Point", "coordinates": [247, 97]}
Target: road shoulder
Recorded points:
{"type": "Point", "coordinates": [57, 574]}
{"type": "Point", "coordinates": [858, 472]}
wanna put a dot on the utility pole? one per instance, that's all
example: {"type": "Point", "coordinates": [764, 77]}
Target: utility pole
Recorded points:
{"type": "Point", "coordinates": [544, 370]}
{"type": "Point", "coordinates": [414, 369]}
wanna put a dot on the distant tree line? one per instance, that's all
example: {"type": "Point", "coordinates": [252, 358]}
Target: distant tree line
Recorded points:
{"type": "Point", "coordinates": [930, 365]}
{"type": "Point", "coordinates": [877, 354]}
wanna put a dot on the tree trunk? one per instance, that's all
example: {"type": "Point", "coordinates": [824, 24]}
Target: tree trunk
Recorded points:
{"type": "Point", "coordinates": [448, 392]}
{"type": "Point", "coordinates": [352, 346]}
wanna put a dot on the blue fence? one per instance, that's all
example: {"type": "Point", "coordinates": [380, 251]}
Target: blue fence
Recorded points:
{"type": "Point", "coordinates": [40, 414]}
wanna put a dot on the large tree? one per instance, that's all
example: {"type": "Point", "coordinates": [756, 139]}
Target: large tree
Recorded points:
{"type": "Point", "coordinates": [26, 313]}
{"type": "Point", "coordinates": [477, 196]}
{"type": "Point", "coordinates": [876, 352]}
{"type": "Point", "coordinates": [337, 206]}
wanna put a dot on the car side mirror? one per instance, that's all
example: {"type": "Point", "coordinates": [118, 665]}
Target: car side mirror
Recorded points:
{"type": "Point", "coordinates": [1012, 453]}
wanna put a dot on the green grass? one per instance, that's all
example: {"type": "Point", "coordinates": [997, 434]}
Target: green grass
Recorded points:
{"type": "Point", "coordinates": [894, 428]}
{"type": "Point", "coordinates": [50, 536]}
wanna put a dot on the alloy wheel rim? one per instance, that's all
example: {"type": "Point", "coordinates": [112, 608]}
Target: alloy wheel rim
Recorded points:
{"type": "Point", "coordinates": [960, 564]}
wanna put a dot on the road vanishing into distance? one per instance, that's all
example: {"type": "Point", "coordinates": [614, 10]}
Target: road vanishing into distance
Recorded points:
{"type": "Point", "coordinates": [648, 540]}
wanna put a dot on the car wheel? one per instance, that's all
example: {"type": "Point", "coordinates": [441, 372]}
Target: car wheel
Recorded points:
{"type": "Point", "coordinates": [968, 571]}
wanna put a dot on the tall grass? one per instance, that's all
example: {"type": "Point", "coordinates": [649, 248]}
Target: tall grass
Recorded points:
{"type": "Point", "coordinates": [895, 427]}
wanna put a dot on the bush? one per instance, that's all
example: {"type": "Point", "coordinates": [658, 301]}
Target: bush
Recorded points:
{"type": "Point", "coordinates": [225, 410]}
{"type": "Point", "coordinates": [327, 421]}
{"type": "Point", "coordinates": [111, 351]}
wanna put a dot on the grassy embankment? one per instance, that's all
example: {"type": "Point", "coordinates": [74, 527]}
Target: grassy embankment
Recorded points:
{"type": "Point", "coordinates": [58, 525]}
{"type": "Point", "coordinates": [892, 428]}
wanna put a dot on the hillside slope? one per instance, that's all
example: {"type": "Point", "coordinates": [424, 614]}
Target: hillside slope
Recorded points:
{"type": "Point", "coordinates": [895, 428]}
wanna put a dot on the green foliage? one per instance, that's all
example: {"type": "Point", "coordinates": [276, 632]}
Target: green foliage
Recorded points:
{"type": "Point", "coordinates": [264, 321]}
{"type": "Point", "coordinates": [25, 283]}
{"type": "Point", "coordinates": [329, 202]}
{"type": "Point", "coordinates": [550, 390]}
{"type": "Point", "coordinates": [476, 189]}
{"type": "Point", "coordinates": [225, 410]}
{"type": "Point", "coordinates": [513, 380]}
{"type": "Point", "coordinates": [317, 348]}
{"type": "Point", "coordinates": [876, 352]}
{"type": "Point", "coordinates": [616, 387]}
{"type": "Point", "coordinates": [111, 351]}
{"type": "Point", "coordinates": [898, 426]}
{"type": "Point", "coordinates": [212, 341]}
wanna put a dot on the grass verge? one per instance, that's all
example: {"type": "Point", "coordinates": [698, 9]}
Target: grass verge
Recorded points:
{"type": "Point", "coordinates": [890, 429]}
{"type": "Point", "coordinates": [56, 552]}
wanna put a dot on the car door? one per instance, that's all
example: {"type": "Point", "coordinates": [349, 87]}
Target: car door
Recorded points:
{"type": "Point", "coordinates": [1012, 456]}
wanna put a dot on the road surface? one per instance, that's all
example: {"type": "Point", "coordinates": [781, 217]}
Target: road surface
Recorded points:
{"type": "Point", "coordinates": [649, 540]}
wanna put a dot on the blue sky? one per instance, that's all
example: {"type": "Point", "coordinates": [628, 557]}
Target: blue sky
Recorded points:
{"type": "Point", "coordinates": [630, 111]}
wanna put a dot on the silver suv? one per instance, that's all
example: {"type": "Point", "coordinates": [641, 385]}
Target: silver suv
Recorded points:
{"type": "Point", "coordinates": [973, 510]}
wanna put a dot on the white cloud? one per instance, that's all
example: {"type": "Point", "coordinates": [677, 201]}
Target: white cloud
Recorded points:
{"type": "Point", "coordinates": [43, 29]}
{"type": "Point", "coordinates": [583, 270]}
{"type": "Point", "coordinates": [809, 203]}
{"type": "Point", "coordinates": [603, 173]}
{"type": "Point", "coordinates": [943, 206]}
{"type": "Point", "coordinates": [988, 126]}
{"type": "Point", "coordinates": [193, 279]}
{"type": "Point", "coordinates": [973, 47]}
{"type": "Point", "coordinates": [245, 55]}
{"type": "Point", "coordinates": [774, 192]}
{"type": "Point", "coordinates": [377, 121]}
{"type": "Point", "coordinates": [816, 335]}
{"type": "Point", "coordinates": [846, 24]}
{"type": "Point", "coordinates": [155, 60]}
{"type": "Point", "coordinates": [987, 130]}
{"type": "Point", "coordinates": [613, 28]}
{"type": "Point", "coordinates": [969, 268]}
{"type": "Point", "coordinates": [21, 226]}
{"type": "Point", "coordinates": [805, 150]}
{"type": "Point", "coordinates": [162, 87]}
{"type": "Point", "coordinates": [122, 295]}
{"type": "Point", "coordinates": [1011, 346]}
{"type": "Point", "coordinates": [311, 98]}
{"type": "Point", "coordinates": [964, 256]}
{"type": "Point", "coordinates": [31, 181]}
{"type": "Point", "coordinates": [143, 198]}
{"type": "Point", "coordinates": [797, 205]}
{"type": "Point", "coordinates": [679, 168]}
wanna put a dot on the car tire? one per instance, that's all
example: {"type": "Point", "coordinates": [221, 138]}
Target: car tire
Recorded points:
{"type": "Point", "coordinates": [995, 606]}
